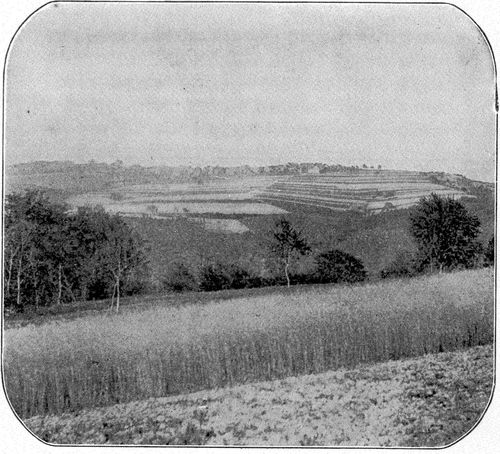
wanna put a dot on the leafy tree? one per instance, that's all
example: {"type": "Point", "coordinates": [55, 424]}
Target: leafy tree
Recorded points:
{"type": "Point", "coordinates": [17, 254]}
{"type": "Point", "coordinates": [287, 244]}
{"type": "Point", "coordinates": [31, 220]}
{"type": "Point", "coordinates": [445, 233]}
{"type": "Point", "coordinates": [108, 253]}
{"type": "Point", "coordinates": [120, 253]}
{"type": "Point", "coordinates": [337, 266]}
{"type": "Point", "coordinates": [489, 253]}
{"type": "Point", "coordinates": [53, 257]}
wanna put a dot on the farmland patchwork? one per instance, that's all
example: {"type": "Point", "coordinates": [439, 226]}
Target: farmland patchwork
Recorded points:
{"type": "Point", "coordinates": [369, 192]}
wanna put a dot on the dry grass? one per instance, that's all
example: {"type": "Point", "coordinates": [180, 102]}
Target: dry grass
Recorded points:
{"type": "Point", "coordinates": [102, 359]}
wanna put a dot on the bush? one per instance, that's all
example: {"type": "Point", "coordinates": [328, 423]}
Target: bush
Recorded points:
{"type": "Point", "coordinates": [220, 276]}
{"type": "Point", "coordinates": [406, 264]}
{"type": "Point", "coordinates": [180, 279]}
{"type": "Point", "coordinates": [214, 277]}
{"type": "Point", "coordinates": [338, 266]}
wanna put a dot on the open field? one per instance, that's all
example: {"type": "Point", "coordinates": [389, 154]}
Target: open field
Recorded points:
{"type": "Point", "coordinates": [370, 191]}
{"type": "Point", "coordinates": [428, 401]}
{"type": "Point", "coordinates": [134, 209]}
{"type": "Point", "coordinates": [223, 195]}
{"type": "Point", "coordinates": [105, 359]}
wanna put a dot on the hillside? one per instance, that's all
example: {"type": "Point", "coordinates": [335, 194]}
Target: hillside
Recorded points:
{"type": "Point", "coordinates": [366, 191]}
{"type": "Point", "coordinates": [94, 176]}
{"type": "Point", "coordinates": [70, 177]}
{"type": "Point", "coordinates": [154, 350]}
{"type": "Point", "coordinates": [194, 214]}
{"type": "Point", "coordinates": [429, 401]}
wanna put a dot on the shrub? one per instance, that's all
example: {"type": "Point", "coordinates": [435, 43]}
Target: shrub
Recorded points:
{"type": "Point", "coordinates": [338, 266]}
{"type": "Point", "coordinates": [214, 277]}
{"type": "Point", "coordinates": [240, 278]}
{"type": "Point", "coordinates": [406, 264]}
{"type": "Point", "coordinates": [221, 276]}
{"type": "Point", "coordinates": [180, 278]}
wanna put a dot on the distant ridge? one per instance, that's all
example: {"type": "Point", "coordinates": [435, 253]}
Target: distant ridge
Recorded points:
{"type": "Point", "coordinates": [74, 177]}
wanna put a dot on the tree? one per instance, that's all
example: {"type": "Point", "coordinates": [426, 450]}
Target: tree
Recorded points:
{"type": "Point", "coordinates": [337, 266]}
{"type": "Point", "coordinates": [52, 256]}
{"type": "Point", "coordinates": [107, 251]}
{"type": "Point", "coordinates": [287, 243]}
{"type": "Point", "coordinates": [121, 254]}
{"type": "Point", "coordinates": [445, 233]}
{"type": "Point", "coordinates": [31, 220]}
{"type": "Point", "coordinates": [17, 254]}
{"type": "Point", "coordinates": [489, 253]}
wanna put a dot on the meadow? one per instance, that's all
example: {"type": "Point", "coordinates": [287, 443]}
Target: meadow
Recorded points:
{"type": "Point", "coordinates": [105, 359]}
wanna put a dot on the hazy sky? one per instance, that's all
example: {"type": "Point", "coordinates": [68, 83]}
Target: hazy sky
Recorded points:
{"type": "Point", "coordinates": [404, 86]}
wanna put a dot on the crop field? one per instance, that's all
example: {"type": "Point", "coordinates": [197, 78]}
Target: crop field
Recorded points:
{"type": "Point", "coordinates": [227, 204]}
{"type": "Point", "coordinates": [366, 191]}
{"type": "Point", "coordinates": [134, 209]}
{"type": "Point", "coordinates": [219, 197]}
{"type": "Point", "coordinates": [428, 401]}
{"type": "Point", "coordinates": [105, 359]}
{"type": "Point", "coordinates": [227, 189]}
{"type": "Point", "coordinates": [370, 192]}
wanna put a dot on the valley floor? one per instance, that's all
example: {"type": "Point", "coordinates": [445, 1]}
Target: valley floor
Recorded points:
{"type": "Point", "coordinates": [427, 401]}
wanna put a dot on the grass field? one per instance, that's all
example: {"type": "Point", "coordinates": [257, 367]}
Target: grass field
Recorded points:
{"type": "Point", "coordinates": [105, 359]}
{"type": "Point", "coordinates": [428, 401]}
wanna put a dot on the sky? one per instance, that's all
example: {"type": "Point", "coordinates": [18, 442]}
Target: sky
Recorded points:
{"type": "Point", "coordinates": [404, 86]}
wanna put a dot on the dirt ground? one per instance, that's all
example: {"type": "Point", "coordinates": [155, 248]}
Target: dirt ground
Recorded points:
{"type": "Point", "coordinates": [426, 401]}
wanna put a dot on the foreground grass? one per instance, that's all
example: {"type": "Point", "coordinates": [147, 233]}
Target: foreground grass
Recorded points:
{"type": "Point", "coordinates": [428, 401]}
{"type": "Point", "coordinates": [101, 360]}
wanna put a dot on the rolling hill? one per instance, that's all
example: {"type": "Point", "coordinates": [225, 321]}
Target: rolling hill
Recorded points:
{"type": "Point", "coordinates": [196, 214]}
